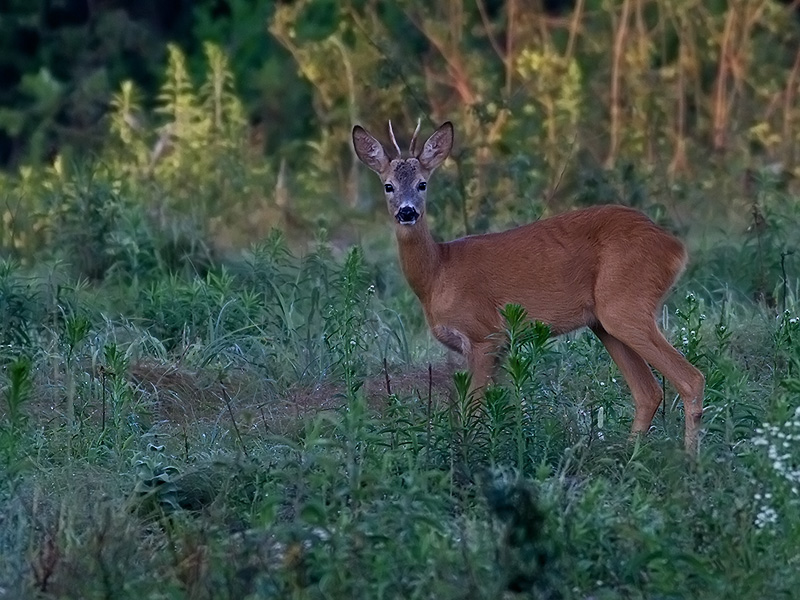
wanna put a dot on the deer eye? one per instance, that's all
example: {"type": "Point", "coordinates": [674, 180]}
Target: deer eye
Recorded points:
{"type": "Point", "coordinates": [389, 188]}
{"type": "Point", "coordinates": [421, 186]}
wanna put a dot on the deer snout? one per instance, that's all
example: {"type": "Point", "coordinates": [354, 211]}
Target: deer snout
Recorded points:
{"type": "Point", "coordinates": [407, 215]}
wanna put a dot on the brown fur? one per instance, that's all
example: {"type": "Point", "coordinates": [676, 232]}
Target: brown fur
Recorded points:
{"type": "Point", "coordinates": [606, 267]}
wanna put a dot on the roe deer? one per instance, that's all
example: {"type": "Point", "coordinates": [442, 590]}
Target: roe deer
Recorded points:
{"type": "Point", "coordinates": [606, 267]}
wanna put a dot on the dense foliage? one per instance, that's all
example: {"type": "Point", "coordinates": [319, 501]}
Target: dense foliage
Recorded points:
{"type": "Point", "coordinates": [214, 382]}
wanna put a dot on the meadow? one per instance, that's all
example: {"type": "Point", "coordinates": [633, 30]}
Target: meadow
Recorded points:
{"type": "Point", "coordinates": [215, 382]}
{"type": "Point", "coordinates": [280, 424]}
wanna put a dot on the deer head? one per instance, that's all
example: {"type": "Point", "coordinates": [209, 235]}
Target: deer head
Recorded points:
{"type": "Point", "coordinates": [405, 180]}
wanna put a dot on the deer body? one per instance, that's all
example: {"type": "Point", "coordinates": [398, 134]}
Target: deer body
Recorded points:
{"type": "Point", "coordinates": [606, 267]}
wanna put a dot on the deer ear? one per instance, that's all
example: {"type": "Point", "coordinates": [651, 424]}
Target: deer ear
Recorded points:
{"type": "Point", "coordinates": [437, 147]}
{"type": "Point", "coordinates": [369, 150]}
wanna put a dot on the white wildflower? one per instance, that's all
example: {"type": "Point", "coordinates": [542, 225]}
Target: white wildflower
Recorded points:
{"type": "Point", "coordinates": [766, 516]}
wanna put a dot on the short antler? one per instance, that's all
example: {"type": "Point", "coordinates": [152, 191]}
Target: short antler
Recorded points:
{"type": "Point", "coordinates": [394, 141]}
{"type": "Point", "coordinates": [412, 148]}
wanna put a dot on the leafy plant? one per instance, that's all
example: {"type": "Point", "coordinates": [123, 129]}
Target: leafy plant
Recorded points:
{"type": "Point", "coordinates": [17, 302]}
{"type": "Point", "coordinates": [18, 390]}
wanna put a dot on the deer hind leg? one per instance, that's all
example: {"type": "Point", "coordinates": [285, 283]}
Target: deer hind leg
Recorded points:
{"type": "Point", "coordinates": [641, 334]}
{"type": "Point", "coordinates": [644, 386]}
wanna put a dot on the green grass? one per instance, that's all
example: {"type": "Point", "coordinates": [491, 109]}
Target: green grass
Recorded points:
{"type": "Point", "coordinates": [272, 429]}
{"type": "Point", "coordinates": [180, 419]}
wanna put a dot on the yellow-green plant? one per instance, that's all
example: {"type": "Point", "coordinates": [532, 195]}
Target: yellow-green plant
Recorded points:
{"type": "Point", "coordinates": [182, 136]}
{"type": "Point", "coordinates": [639, 125]}
{"type": "Point", "coordinates": [127, 127]}
{"type": "Point", "coordinates": [219, 100]}
{"type": "Point", "coordinates": [196, 123]}
{"type": "Point", "coordinates": [336, 61]}
{"type": "Point", "coordinates": [554, 84]}
{"type": "Point", "coordinates": [194, 146]}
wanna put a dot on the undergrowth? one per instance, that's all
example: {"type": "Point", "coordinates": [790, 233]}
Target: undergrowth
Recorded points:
{"type": "Point", "coordinates": [266, 430]}
{"type": "Point", "coordinates": [179, 419]}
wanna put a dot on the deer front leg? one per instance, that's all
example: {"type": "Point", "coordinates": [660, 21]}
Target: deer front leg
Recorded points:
{"type": "Point", "coordinates": [453, 339]}
{"type": "Point", "coordinates": [481, 360]}
{"type": "Point", "coordinates": [481, 357]}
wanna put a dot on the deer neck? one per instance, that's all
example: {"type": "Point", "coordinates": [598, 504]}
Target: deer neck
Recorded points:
{"type": "Point", "coordinates": [420, 256]}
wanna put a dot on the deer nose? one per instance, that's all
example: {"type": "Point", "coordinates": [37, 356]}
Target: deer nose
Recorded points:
{"type": "Point", "coordinates": [407, 215]}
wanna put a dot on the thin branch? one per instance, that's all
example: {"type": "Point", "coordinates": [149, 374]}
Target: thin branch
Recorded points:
{"type": "Point", "coordinates": [487, 27]}
{"type": "Point", "coordinates": [460, 79]}
{"type": "Point", "coordinates": [574, 25]}
{"type": "Point", "coordinates": [409, 89]}
{"type": "Point", "coordinates": [755, 17]}
{"type": "Point", "coordinates": [788, 103]}
{"type": "Point", "coordinates": [386, 374]}
{"type": "Point", "coordinates": [616, 77]}
{"type": "Point", "coordinates": [720, 115]}
{"type": "Point", "coordinates": [227, 399]}
{"type": "Point", "coordinates": [557, 184]}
